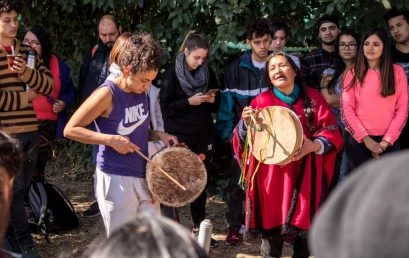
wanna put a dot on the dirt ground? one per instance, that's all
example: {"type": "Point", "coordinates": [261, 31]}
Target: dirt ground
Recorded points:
{"type": "Point", "coordinates": [78, 187]}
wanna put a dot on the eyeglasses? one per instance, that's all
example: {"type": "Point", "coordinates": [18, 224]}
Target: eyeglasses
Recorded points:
{"type": "Point", "coordinates": [349, 46]}
{"type": "Point", "coordinates": [31, 43]}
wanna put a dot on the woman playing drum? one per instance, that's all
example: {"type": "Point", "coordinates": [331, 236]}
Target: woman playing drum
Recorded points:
{"type": "Point", "coordinates": [282, 199]}
{"type": "Point", "coordinates": [120, 111]}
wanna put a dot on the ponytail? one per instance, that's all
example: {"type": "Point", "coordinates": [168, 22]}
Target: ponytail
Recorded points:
{"type": "Point", "coordinates": [193, 41]}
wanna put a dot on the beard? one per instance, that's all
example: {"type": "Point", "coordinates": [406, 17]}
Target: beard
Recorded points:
{"type": "Point", "coordinates": [109, 44]}
{"type": "Point", "coordinates": [329, 43]}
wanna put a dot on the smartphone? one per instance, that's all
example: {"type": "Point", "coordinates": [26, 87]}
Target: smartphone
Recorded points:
{"type": "Point", "coordinates": [329, 72]}
{"type": "Point", "coordinates": [214, 91]}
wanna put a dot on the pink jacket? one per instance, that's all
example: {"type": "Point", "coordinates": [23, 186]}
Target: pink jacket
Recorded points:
{"type": "Point", "coordinates": [365, 112]}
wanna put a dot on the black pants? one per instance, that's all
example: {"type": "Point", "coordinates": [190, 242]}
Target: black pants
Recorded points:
{"type": "Point", "coordinates": [404, 138]}
{"type": "Point", "coordinates": [18, 218]}
{"type": "Point", "coordinates": [235, 196]}
{"type": "Point", "coordinates": [272, 243]}
{"type": "Point", "coordinates": [357, 153]}
{"type": "Point", "coordinates": [45, 153]}
{"type": "Point", "coordinates": [200, 144]}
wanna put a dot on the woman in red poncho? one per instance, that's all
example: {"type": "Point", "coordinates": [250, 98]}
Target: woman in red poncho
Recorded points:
{"type": "Point", "coordinates": [284, 198]}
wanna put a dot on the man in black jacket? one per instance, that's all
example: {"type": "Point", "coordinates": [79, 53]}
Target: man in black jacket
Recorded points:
{"type": "Point", "coordinates": [398, 23]}
{"type": "Point", "coordinates": [94, 71]}
{"type": "Point", "coordinates": [243, 81]}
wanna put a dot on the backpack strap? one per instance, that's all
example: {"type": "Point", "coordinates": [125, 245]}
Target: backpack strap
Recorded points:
{"type": "Point", "coordinates": [56, 188]}
{"type": "Point", "coordinates": [42, 200]}
{"type": "Point", "coordinates": [93, 50]}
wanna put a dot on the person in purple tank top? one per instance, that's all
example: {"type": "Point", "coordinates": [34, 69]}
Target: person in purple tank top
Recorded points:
{"type": "Point", "coordinates": [120, 112]}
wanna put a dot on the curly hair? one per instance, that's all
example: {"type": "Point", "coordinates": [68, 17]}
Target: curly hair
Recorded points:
{"type": "Point", "coordinates": [142, 53]}
{"type": "Point", "coordinates": [7, 6]}
{"type": "Point", "coordinates": [10, 154]}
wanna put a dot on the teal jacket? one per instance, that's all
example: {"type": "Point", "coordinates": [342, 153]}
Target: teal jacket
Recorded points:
{"type": "Point", "coordinates": [242, 83]}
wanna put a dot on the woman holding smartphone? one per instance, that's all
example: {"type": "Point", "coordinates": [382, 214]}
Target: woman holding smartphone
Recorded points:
{"type": "Point", "coordinates": [187, 99]}
{"type": "Point", "coordinates": [374, 101]}
{"type": "Point", "coordinates": [331, 81]}
{"type": "Point", "coordinates": [331, 86]}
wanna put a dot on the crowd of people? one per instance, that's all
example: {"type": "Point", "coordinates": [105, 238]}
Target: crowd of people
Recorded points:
{"type": "Point", "coordinates": [350, 96]}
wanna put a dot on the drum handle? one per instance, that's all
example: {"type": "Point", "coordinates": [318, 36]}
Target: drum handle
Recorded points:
{"type": "Point", "coordinates": [257, 126]}
{"type": "Point", "coordinates": [161, 170]}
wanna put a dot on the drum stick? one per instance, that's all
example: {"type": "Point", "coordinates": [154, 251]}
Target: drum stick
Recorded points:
{"type": "Point", "coordinates": [161, 170]}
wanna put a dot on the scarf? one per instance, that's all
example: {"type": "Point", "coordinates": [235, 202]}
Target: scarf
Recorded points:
{"type": "Point", "coordinates": [114, 71]}
{"type": "Point", "coordinates": [288, 99]}
{"type": "Point", "coordinates": [191, 84]}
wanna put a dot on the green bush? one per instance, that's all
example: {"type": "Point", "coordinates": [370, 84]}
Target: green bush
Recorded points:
{"type": "Point", "coordinates": [72, 24]}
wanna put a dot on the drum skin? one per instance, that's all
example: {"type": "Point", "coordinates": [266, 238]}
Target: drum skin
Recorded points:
{"type": "Point", "coordinates": [277, 135]}
{"type": "Point", "coordinates": [183, 165]}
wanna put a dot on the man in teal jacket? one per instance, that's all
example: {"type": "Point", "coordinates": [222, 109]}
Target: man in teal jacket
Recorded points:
{"type": "Point", "coordinates": [244, 79]}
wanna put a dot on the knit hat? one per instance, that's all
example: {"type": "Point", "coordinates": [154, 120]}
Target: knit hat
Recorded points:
{"type": "Point", "coordinates": [368, 215]}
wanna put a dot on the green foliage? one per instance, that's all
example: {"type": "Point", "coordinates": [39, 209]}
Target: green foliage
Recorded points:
{"type": "Point", "coordinates": [72, 24]}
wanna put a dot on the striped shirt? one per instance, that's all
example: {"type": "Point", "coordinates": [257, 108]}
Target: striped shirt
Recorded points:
{"type": "Point", "coordinates": [16, 111]}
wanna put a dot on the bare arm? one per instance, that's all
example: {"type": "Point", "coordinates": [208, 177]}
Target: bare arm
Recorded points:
{"type": "Point", "coordinates": [98, 104]}
{"type": "Point", "coordinates": [332, 99]}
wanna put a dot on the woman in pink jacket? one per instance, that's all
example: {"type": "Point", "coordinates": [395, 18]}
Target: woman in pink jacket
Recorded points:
{"type": "Point", "coordinates": [374, 101]}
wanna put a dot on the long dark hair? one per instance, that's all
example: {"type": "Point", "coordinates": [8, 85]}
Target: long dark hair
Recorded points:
{"type": "Point", "coordinates": [385, 64]}
{"type": "Point", "coordinates": [339, 65]}
{"type": "Point", "coordinates": [297, 80]}
{"type": "Point", "coordinates": [45, 42]}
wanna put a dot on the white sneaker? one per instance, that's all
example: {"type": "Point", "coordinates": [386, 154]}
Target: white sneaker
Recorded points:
{"type": "Point", "coordinates": [242, 229]}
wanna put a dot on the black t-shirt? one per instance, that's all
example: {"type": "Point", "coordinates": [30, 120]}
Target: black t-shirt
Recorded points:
{"type": "Point", "coordinates": [401, 58]}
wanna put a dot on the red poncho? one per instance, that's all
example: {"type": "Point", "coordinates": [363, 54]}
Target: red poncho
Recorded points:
{"type": "Point", "coordinates": [268, 204]}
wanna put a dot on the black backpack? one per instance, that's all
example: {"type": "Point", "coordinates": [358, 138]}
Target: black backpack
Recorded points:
{"type": "Point", "coordinates": [52, 210]}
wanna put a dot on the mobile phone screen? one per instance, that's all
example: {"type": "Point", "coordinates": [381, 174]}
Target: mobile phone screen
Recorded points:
{"type": "Point", "coordinates": [212, 91]}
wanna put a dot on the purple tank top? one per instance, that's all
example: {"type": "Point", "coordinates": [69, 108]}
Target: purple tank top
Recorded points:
{"type": "Point", "coordinates": [130, 118]}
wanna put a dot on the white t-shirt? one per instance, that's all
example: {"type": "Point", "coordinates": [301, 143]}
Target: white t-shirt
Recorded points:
{"type": "Point", "coordinates": [259, 65]}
